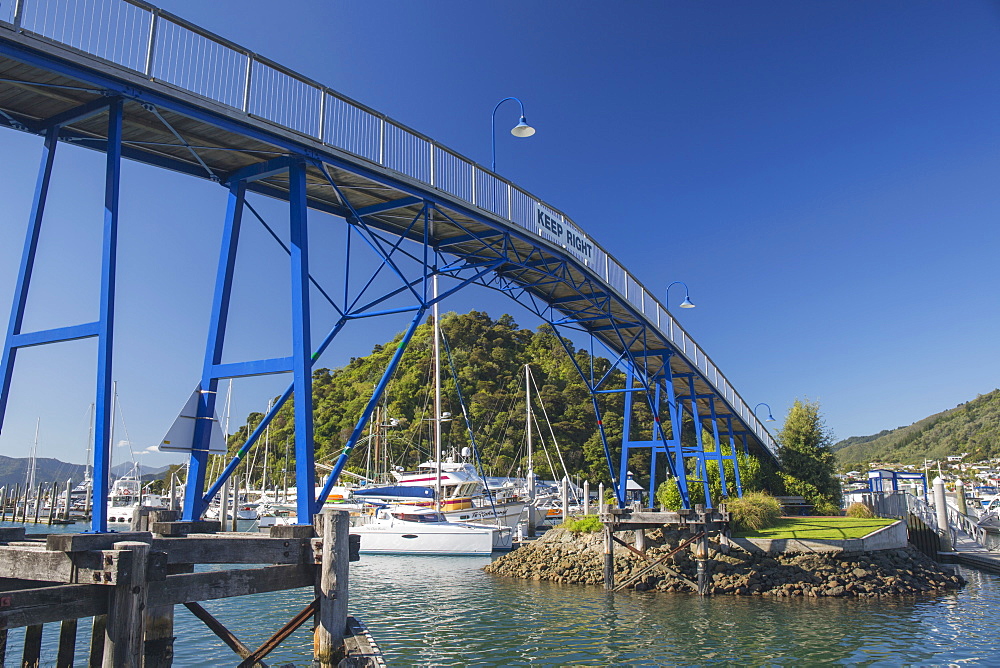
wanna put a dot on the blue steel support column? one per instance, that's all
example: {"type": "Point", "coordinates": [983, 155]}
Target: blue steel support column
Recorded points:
{"type": "Point", "coordinates": [194, 505]}
{"type": "Point", "coordinates": [658, 435]}
{"type": "Point", "coordinates": [718, 448]}
{"type": "Point", "coordinates": [27, 266]}
{"type": "Point", "coordinates": [677, 425]}
{"type": "Point", "coordinates": [102, 431]}
{"type": "Point", "coordinates": [702, 469]}
{"type": "Point", "coordinates": [736, 461]}
{"type": "Point", "coordinates": [301, 346]}
{"type": "Point", "coordinates": [626, 437]}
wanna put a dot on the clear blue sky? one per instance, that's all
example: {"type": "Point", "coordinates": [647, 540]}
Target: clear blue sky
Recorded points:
{"type": "Point", "coordinates": [823, 175]}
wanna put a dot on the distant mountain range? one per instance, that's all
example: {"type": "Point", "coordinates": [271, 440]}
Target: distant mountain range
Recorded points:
{"type": "Point", "coordinates": [972, 427]}
{"type": "Point", "coordinates": [14, 471]}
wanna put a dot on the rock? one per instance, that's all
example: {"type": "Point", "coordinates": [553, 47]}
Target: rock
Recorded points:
{"type": "Point", "coordinates": [560, 556]}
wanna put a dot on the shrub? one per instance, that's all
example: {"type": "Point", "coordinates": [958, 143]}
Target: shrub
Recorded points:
{"type": "Point", "coordinates": [824, 506]}
{"type": "Point", "coordinates": [585, 524]}
{"type": "Point", "coordinates": [669, 496]}
{"type": "Point", "coordinates": [860, 511]}
{"type": "Point", "coordinates": [755, 510]}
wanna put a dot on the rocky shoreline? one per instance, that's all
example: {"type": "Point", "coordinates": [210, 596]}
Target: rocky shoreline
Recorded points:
{"type": "Point", "coordinates": [561, 556]}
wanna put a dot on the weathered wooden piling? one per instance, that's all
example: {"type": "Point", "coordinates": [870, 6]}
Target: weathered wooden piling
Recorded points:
{"type": "Point", "coordinates": [699, 522]}
{"type": "Point", "coordinates": [331, 588]}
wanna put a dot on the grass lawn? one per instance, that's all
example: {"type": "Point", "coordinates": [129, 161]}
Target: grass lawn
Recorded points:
{"type": "Point", "coordinates": [820, 528]}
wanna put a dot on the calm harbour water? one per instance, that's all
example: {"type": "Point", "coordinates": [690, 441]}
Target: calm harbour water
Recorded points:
{"type": "Point", "coordinates": [444, 611]}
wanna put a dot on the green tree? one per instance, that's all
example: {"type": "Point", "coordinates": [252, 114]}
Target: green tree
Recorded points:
{"type": "Point", "coordinates": [805, 450]}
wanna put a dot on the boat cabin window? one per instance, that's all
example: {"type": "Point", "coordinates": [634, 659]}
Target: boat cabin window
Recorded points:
{"type": "Point", "coordinates": [421, 517]}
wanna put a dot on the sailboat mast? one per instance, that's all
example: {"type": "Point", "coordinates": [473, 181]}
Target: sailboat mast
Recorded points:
{"type": "Point", "coordinates": [437, 397]}
{"type": "Point", "coordinates": [527, 412]}
{"type": "Point", "coordinates": [34, 455]}
{"type": "Point", "coordinates": [90, 440]}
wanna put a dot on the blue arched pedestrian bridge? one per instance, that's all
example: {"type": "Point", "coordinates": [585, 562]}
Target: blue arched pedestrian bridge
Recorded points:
{"type": "Point", "coordinates": [133, 81]}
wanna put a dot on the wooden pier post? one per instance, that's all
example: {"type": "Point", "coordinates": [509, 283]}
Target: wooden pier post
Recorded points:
{"type": "Point", "coordinates": [158, 646]}
{"type": "Point", "coordinates": [600, 499]}
{"type": "Point", "coordinates": [31, 655]}
{"type": "Point", "coordinates": [67, 643]}
{"type": "Point", "coordinates": [564, 497]}
{"type": "Point", "coordinates": [97, 632]}
{"type": "Point", "coordinates": [66, 500]}
{"type": "Point", "coordinates": [53, 495]}
{"type": "Point", "coordinates": [331, 588]}
{"type": "Point", "coordinates": [38, 501]}
{"type": "Point", "coordinates": [123, 636]}
{"type": "Point", "coordinates": [586, 497]}
{"type": "Point", "coordinates": [3, 502]}
{"type": "Point", "coordinates": [609, 558]}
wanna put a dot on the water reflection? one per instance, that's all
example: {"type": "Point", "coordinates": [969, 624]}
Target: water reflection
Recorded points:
{"type": "Point", "coordinates": [444, 611]}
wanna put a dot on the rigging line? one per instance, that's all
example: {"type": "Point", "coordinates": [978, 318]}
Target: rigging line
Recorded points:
{"type": "Point", "coordinates": [509, 398]}
{"type": "Point", "coordinates": [545, 448]}
{"type": "Point", "coordinates": [156, 112]}
{"type": "Point", "coordinates": [287, 250]}
{"type": "Point", "coordinates": [552, 432]}
{"type": "Point", "coordinates": [128, 439]}
{"type": "Point", "coordinates": [468, 424]}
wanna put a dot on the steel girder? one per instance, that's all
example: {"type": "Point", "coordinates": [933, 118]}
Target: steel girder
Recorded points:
{"type": "Point", "coordinates": [528, 268]}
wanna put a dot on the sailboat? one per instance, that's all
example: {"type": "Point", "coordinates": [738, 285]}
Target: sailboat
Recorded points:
{"type": "Point", "coordinates": [414, 528]}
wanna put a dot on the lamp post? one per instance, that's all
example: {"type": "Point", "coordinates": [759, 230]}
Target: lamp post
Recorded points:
{"type": "Point", "coordinates": [687, 303]}
{"type": "Point", "coordinates": [769, 418]}
{"type": "Point", "coordinates": [522, 129]}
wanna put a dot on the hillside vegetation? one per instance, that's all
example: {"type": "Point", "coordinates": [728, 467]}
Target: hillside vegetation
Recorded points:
{"type": "Point", "coordinates": [489, 357]}
{"type": "Point", "coordinates": [972, 427]}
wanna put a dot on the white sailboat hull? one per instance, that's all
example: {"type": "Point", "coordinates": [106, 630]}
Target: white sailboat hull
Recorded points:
{"type": "Point", "coordinates": [507, 514]}
{"type": "Point", "coordinates": [386, 535]}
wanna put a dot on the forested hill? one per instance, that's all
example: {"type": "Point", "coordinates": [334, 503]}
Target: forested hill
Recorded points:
{"type": "Point", "coordinates": [972, 427]}
{"type": "Point", "coordinates": [489, 356]}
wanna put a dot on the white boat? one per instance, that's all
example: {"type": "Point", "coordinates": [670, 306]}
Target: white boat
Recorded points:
{"type": "Point", "coordinates": [126, 495]}
{"type": "Point", "coordinates": [462, 494]}
{"type": "Point", "coordinates": [414, 530]}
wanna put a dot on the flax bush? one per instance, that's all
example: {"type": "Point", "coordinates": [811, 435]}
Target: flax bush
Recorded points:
{"type": "Point", "coordinates": [755, 510]}
{"type": "Point", "coordinates": [585, 524]}
{"type": "Point", "coordinates": [860, 511]}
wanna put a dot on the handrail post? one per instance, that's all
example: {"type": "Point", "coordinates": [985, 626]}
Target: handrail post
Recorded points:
{"type": "Point", "coordinates": [18, 13]}
{"type": "Point", "coordinates": [154, 20]}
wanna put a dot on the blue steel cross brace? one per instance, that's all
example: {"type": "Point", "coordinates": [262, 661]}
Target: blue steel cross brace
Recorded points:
{"type": "Point", "coordinates": [300, 364]}
{"type": "Point", "coordinates": [103, 328]}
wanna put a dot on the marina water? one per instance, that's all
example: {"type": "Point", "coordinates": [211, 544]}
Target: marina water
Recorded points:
{"type": "Point", "coordinates": [444, 611]}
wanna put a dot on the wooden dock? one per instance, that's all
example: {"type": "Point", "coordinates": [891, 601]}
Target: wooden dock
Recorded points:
{"type": "Point", "coordinates": [970, 553]}
{"type": "Point", "coordinates": [699, 522]}
{"type": "Point", "coordinates": [127, 585]}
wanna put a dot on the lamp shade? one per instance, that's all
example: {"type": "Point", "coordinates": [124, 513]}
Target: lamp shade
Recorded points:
{"type": "Point", "coordinates": [522, 129]}
{"type": "Point", "coordinates": [687, 303]}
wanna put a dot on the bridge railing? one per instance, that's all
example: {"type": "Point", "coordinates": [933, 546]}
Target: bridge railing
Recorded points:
{"type": "Point", "coordinates": [166, 48]}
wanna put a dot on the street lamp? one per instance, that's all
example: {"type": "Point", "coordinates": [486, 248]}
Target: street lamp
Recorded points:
{"type": "Point", "coordinates": [687, 303]}
{"type": "Point", "coordinates": [522, 129]}
{"type": "Point", "coordinates": [769, 418]}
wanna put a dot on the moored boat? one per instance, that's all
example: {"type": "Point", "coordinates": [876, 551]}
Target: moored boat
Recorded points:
{"type": "Point", "coordinates": [403, 529]}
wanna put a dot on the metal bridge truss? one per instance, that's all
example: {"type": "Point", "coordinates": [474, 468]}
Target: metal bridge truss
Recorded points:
{"type": "Point", "coordinates": [416, 225]}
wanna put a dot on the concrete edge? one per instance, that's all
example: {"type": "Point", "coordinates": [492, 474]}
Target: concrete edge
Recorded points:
{"type": "Point", "coordinates": [891, 537]}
